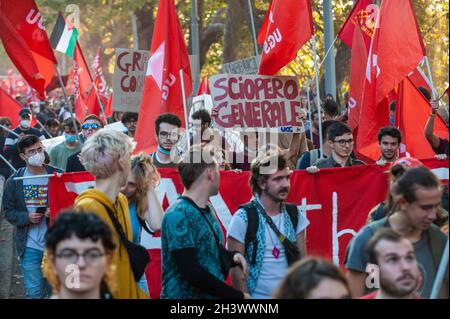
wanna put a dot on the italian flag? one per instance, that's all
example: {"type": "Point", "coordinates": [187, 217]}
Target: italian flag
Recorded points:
{"type": "Point", "coordinates": [64, 36]}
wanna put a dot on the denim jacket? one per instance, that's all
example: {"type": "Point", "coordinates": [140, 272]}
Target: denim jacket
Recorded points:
{"type": "Point", "coordinates": [15, 208]}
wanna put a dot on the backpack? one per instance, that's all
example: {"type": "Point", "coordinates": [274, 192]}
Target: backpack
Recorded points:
{"type": "Point", "coordinates": [253, 223]}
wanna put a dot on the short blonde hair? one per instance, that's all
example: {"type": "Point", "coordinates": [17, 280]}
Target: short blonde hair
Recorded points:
{"type": "Point", "coordinates": [103, 150]}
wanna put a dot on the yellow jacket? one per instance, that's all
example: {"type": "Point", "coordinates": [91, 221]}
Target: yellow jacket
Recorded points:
{"type": "Point", "coordinates": [92, 200]}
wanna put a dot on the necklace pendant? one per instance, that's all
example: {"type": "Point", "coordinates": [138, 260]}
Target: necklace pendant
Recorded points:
{"type": "Point", "coordinates": [276, 252]}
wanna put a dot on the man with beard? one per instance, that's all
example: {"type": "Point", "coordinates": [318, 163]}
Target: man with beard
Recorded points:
{"type": "Point", "coordinates": [261, 228]}
{"type": "Point", "coordinates": [396, 264]}
{"type": "Point", "coordinates": [167, 128]}
{"type": "Point", "coordinates": [191, 237]}
{"type": "Point", "coordinates": [389, 139]}
{"type": "Point", "coordinates": [417, 201]}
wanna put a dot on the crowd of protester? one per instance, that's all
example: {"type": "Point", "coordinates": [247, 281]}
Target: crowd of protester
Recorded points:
{"type": "Point", "coordinates": [265, 252]}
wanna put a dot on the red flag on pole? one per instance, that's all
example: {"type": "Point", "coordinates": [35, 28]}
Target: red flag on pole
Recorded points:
{"type": "Point", "coordinates": [100, 82]}
{"type": "Point", "coordinates": [396, 49]}
{"type": "Point", "coordinates": [290, 26]}
{"type": "Point", "coordinates": [84, 76]}
{"type": "Point", "coordinates": [203, 88]}
{"type": "Point", "coordinates": [162, 90]}
{"type": "Point", "coordinates": [363, 13]}
{"type": "Point", "coordinates": [413, 111]}
{"type": "Point", "coordinates": [265, 26]}
{"type": "Point", "coordinates": [357, 76]}
{"type": "Point", "coordinates": [418, 80]}
{"type": "Point", "coordinates": [22, 26]}
{"type": "Point", "coordinates": [9, 107]}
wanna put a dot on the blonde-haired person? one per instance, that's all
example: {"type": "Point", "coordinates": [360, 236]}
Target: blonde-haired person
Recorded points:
{"type": "Point", "coordinates": [146, 212]}
{"type": "Point", "coordinates": [106, 155]}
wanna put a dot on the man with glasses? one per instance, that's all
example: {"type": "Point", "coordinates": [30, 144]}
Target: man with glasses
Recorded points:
{"type": "Point", "coordinates": [129, 120]}
{"type": "Point", "coordinates": [167, 133]}
{"type": "Point", "coordinates": [340, 139]}
{"type": "Point", "coordinates": [92, 123]}
{"type": "Point", "coordinates": [25, 203]}
{"type": "Point", "coordinates": [10, 149]}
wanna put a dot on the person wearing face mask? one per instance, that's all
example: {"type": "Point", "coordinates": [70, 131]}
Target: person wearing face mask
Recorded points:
{"type": "Point", "coordinates": [10, 149]}
{"type": "Point", "coordinates": [71, 145]}
{"type": "Point", "coordinates": [25, 204]}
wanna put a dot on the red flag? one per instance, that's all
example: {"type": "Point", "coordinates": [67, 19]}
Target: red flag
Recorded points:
{"type": "Point", "coordinates": [162, 90]}
{"type": "Point", "coordinates": [9, 107]}
{"type": "Point", "coordinates": [93, 106]}
{"type": "Point", "coordinates": [82, 70]}
{"type": "Point", "coordinates": [203, 87]}
{"type": "Point", "coordinates": [363, 13]}
{"type": "Point", "coordinates": [418, 80]}
{"type": "Point", "coordinates": [64, 188]}
{"type": "Point", "coordinates": [413, 112]}
{"type": "Point", "coordinates": [357, 67]}
{"type": "Point", "coordinates": [24, 18]}
{"type": "Point", "coordinates": [265, 26]}
{"type": "Point", "coordinates": [80, 106]}
{"type": "Point", "coordinates": [290, 26]}
{"type": "Point", "coordinates": [108, 108]}
{"type": "Point", "coordinates": [396, 49]}
{"type": "Point", "coordinates": [100, 82]}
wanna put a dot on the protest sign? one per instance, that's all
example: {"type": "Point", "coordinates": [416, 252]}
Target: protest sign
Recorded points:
{"type": "Point", "coordinates": [245, 66]}
{"type": "Point", "coordinates": [129, 79]}
{"type": "Point", "coordinates": [256, 102]}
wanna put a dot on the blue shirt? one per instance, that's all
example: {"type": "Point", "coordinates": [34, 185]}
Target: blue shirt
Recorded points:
{"type": "Point", "coordinates": [135, 225]}
{"type": "Point", "coordinates": [184, 227]}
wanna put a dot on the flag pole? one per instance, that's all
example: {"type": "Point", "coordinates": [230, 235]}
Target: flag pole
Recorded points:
{"type": "Point", "coordinates": [429, 83]}
{"type": "Point", "coordinates": [316, 73]}
{"type": "Point", "coordinates": [183, 92]}
{"type": "Point", "coordinates": [8, 163]}
{"type": "Point", "coordinates": [61, 83]}
{"type": "Point", "coordinates": [9, 131]}
{"type": "Point", "coordinates": [252, 19]}
{"type": "Point", "coordinates": [309, 110]}
{"type": "Point", "coordinates": [43, 127]}
{"type": "Point", "coordinates": [328, 51]}
{"type": "Point", "coordinates": [440, 273]}
{"type": "Point", "coordinates": [33, 177]}
{"type": "Point", "coordinates": [430, 77]}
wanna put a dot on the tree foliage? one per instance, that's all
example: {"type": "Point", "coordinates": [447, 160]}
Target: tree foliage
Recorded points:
{"type": "Point", "coordinates": [225, 33]}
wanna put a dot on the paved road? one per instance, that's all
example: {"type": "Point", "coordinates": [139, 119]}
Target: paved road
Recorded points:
{"type": "Point", "coordinates": [11, 279]}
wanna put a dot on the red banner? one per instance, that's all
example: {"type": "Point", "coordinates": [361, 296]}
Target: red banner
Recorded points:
{"type": "Point", "coordinates": [336, 201]}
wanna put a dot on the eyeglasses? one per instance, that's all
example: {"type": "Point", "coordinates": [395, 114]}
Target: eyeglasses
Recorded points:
{"type": "Point", "coordinates": [171, 135]}
{"type": "Point", "coordinates": [35, 151]}
{"type": "Point", "coordinates": [342, 143]}
{"type": "Point", "coordinates": [93, 126]}
{"type": "Point", "coordinates": [90, 256]}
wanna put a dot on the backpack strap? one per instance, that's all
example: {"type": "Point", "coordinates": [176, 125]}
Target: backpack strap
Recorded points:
{"type": "Point", "coordinates": [252, 228]}
{"type": "Point", "coordinates": [292, 210]}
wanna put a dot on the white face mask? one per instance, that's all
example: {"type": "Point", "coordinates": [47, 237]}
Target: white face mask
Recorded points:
{"type": "Point", "coordinates": [37, 159]}
{"type": "Point", "coordinates": [25, 123]}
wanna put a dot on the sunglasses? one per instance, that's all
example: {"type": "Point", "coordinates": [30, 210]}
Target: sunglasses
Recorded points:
{"type": "Point", "coordinates": [94, 126]}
